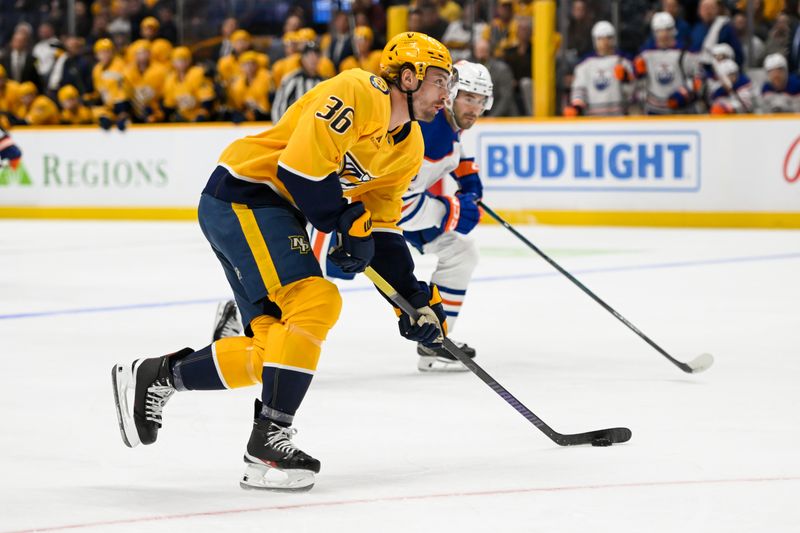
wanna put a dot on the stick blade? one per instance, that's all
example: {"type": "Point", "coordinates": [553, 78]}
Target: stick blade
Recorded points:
{"type": "Point", "coordinates": [611, 436]}
{"type": "Point", "coordinates": [701, 363]}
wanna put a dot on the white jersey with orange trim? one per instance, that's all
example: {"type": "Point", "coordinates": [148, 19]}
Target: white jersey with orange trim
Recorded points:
{"type": "Point", "coordinates": [444, 155]}
{"type": "Point", "coordinates": [597, 90]}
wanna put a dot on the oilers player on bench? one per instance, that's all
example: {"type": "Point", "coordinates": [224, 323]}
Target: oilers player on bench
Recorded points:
{"type": "Point", "coordinates": [253, 212]}
{"type": "Point", "coordinates": [437, 225]}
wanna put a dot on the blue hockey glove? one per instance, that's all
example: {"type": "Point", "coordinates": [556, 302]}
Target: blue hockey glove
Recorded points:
{"type": "Point", "coordinates": [356, 246]}
{"type": "Point", "coordinates": [431, 327]}
{"type": "Point", "coordinates": [471, 183]}
{"type": "Point", "coordinates": [462, 213]}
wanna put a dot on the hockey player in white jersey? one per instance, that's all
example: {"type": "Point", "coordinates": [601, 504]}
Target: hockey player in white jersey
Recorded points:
{"type": "Point", "coordinates": [439, 225]}
{"type": "Point", "coordinates": [668, 71]}
{"type": "Point", "coordinates": [735, 93]}
{"type": "Point", "coordinates": [601, 85]}
{"type": "Point", "coordinates": [781, 92]}
{"type": "Point", "coordinates": [433, 224]}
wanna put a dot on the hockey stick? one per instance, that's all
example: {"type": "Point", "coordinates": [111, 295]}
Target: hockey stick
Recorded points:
{"type": "Point", "coordinates": [698, 364]}
{"type": "Point", "coordinates": [603, 437]}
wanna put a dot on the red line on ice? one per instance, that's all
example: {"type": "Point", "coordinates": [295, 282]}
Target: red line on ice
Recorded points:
{"type": "Point", "coordinates": [336, 503]}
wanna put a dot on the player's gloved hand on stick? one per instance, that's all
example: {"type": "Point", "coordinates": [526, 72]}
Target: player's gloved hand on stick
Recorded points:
{"type": "Point", "coordinates": [679, 98]}
{"type": "Point", "coordinates": [356, 246]}
{"type": "Point", "coordinates": [573, 111]}
{"type": "Point", "coordinates": [462, 212]}
{"type": "Point", "coordinates": [431, 326]}
{"type": "Point", "coordinates": [621, 73]}
{"type": "Point", "coordinates": [471, 183]}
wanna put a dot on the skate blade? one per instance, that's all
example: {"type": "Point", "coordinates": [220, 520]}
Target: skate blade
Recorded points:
{"type": "Point", "coordinates": [122, 381]}
{"type": "Point", "coordinates": [428, 363]}
{"type": "Point", "coordinates": [263, 477]}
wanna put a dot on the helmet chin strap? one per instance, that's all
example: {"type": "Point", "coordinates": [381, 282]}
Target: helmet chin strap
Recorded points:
{"type": "Point", "coordinates": [409, 93]}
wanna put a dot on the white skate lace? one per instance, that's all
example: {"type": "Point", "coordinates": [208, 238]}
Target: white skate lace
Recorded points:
{"type": "Point", "coordinates": [157, 395]}
{"type": "Point", "coordinates": [280, 438]}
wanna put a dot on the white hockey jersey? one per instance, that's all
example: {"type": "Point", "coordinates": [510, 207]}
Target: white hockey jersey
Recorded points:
{"type": "Point", "coordinates": [597, 90]}
{"type": "Point", "coordinates": [444, 154]}
{"type": "Point", "coordinates": [668, 71]}
{"type": "Point", "coordinates": [786, 100]}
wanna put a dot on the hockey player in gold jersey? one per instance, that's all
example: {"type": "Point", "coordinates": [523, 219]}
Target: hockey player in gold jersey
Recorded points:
{"type": "Point", "coordinates": [340, 158]}
{"type": "Point", "coordinates": [113, 93]}
{"type": "Point", "coordinates": [188, 93]}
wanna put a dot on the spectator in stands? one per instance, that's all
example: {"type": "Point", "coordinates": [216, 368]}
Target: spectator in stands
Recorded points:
{"type": "Point", "coordinates": [188, 93]}
{"type": "Point", "coordinates": [502, 32]}
{"type": "Point", "coordinates": [146, 79]}
{"type": "Point", "coordinates": [365, 57]}
{"type": "Point", "coordinates": [460, 34]}
{"type": "Point", "coordinates": [338, 43]}
{"type": "Point", "coordinates": [100, 24]}
{"type": "Point", "coordinates": [449, 10]}
{"type": "Point", "coordinates": [793, 52]}
{"type": "Point", "coordinates": [168, 29]}
{"type": "Point", "coordinates": [751, 54]}
{"type": "Point", "coordinates": [298, 82]}
{"type": "Point", "coordinates": [579, 31]}
{"type": "Point", "coordinates": [781, 92]}
{"type": "Point", "coordinates": [735, 93]}
{"type": "Point", "coordinates": [783, 40]}
{"type": "Point", "coordinates": [149, 28]}
{"type": "Point", "coordinates": [228, 66]}
{"type": "Point", "coordinates": [289, 64]}
{"type": "Point", "coordinates": [519, 59]}
{"type": "Point", "coordinates": [247, 96]}
{"type": "Point", "coordinates": [8, 91]}
{"type": "Point", "coordinates": [414, 20]}
{"type": "Point", "coordinates": [633, 25]}
{"type": "Point", "coordinates": [71, 68]}
{"type": "Point", "coordinates": [229, 25]}
{"type": "Point", "coordinates": [45, 51]}
{"type": "Point", "coordinates": [72, 109]}
{"type": "Point", "coordinates": [161, 51]}
{"type": "Point", "coordinates": [503, 80]}
{"type": "Point", "coordinates": [33, 109]}
{"type": "Point", "coordinates": [112, 93]}
{"type": "Point", "coordinates": [83, 18]}
{"type": "Point", "coordinates": [18, 59]}
{"type": "Point", "coordinates": [713, 27]}
{"type": "Point", "coordinates": [120, 30]}
{"type": "Point", "coordinates": [432, 23]}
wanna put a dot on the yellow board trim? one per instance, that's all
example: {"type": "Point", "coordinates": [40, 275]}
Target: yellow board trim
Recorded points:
{"type": "Point", "coordinates": [669, 219]}
{"type": "Point", "coordinates": [99, 213]}
{"type": "Point", "coordinates": [252, 233]}
{"type": "Point", "coordinates": [675, 219]}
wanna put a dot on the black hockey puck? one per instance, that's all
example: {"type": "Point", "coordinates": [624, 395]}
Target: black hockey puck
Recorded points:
{"type": "Point", "coordinates": [601, 441]}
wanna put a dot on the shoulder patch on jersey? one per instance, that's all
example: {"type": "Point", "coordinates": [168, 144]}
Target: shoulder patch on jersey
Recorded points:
{"type": "Point", "coordinates": [379, 83]}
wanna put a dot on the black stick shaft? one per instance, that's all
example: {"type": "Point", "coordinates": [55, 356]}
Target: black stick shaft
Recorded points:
{"type": "Point", "coordinates": [613, 435]}
{"type": "Point", "coordinates": [683, 366]}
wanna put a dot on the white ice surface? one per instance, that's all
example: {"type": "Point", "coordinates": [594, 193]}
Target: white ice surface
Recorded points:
{"type": "Point", "coordinates": [404, 451]}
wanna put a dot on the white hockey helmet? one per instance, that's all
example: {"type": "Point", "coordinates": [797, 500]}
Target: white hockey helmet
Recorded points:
{"type": "Point", "coordinates": [662, 21]}
{"type": "Point", "coordinates": [472, 78]}
{"type": "Point", "coordinates": [773, 61]}
{"type": "Point", "coordinates": [727, 67]}
{"type": "Point", "coordinates": [722, 49]}
{"type": "Point", "coordinates": [602, 28]}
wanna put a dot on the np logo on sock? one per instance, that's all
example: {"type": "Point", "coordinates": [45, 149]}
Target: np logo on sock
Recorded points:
{"type": "Point", "coordinates": [299, 243]}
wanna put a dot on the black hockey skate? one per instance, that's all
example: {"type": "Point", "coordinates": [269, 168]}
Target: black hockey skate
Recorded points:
{"type": "Point", "coordinates": [273, 461]}
{"type": "Point", "coordinates": [148, 383]}
{"type": "Point", "coordinates": [227, 323]}
{"type": "Point", "coordinates": [440, 360]}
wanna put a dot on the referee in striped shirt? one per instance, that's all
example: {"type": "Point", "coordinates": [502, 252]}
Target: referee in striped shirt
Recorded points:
{"type": "Point", "coordinates": [298, 82]}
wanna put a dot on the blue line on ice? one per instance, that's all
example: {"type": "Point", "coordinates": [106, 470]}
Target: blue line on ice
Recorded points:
{"type": "Point", "coordinates": [483, 279]}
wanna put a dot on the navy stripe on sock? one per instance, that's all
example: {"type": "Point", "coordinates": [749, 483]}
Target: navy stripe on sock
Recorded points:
{"type": "Point", "coordinates": [442, 288]}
